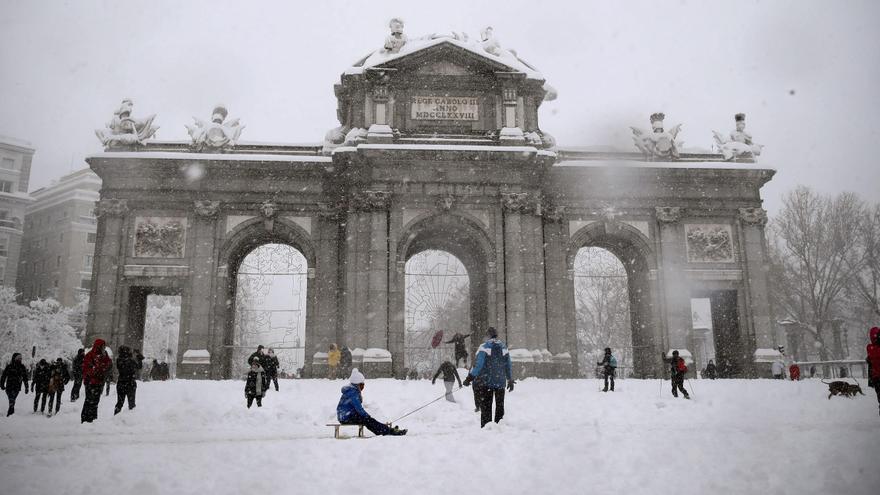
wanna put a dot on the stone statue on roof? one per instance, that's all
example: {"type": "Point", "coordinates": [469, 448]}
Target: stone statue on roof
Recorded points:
{"type": "Point", "coordinates": [489, 42]}
{"type": "Point", "coordinates": [740, 142]}
{"type": "Point", "coordinates": [216, 134]}
{"type": "Point", "coordinates": [124, 129]}
{"type": "Point", "coordinates": [659, 143]}
{"type": "Point", "coordinates": [395, 41]}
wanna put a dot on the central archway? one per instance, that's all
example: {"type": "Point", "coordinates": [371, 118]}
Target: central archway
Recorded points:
{"type": "Point", "coordinates": [245, 240]}
{"type": "Point", "coordinates": [465, 240]}
{"type": "Point", "coordinates": [633, 251]}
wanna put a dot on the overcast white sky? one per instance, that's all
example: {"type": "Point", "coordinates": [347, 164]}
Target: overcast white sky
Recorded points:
{"type": "Point", "coordinates": [805, 72]}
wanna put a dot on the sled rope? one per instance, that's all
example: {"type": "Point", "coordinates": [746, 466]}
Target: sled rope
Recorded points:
{"type": "Point", "coordinates": [426, 405]}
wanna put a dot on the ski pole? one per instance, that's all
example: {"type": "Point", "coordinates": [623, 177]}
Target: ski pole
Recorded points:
{"type": "Point", "coordinates": [426, 405]}
{"type": "Point", "coordinates": [691, 385]}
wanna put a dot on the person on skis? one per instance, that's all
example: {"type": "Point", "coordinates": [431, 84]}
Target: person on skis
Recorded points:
{"type": "Point", "coordinates": [350, 410]}
{"type": "Point", "coordinates": [492, 369]}
{"type": "Point", "coordinates": [678, 369]}
{"type": "Point", "coordinates": [609, 365]}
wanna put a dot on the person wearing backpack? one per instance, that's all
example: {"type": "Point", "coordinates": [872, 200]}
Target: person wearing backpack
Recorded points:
{"type": "Point", "coordinates": [678, 369]}
{"type": "Point", "coordinates": [608, 364]}
{"type": "Point", "coordinates": [492, 369]}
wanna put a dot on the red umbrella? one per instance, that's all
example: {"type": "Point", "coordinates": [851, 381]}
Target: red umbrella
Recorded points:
{"type": "Point", "coordinates": [438, 338]}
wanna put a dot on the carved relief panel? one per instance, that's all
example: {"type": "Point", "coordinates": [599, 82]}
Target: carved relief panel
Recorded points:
{"type": "Point", "coordinates": [710, 243]}
{"type": "Point", "coordinates": [159, 237]}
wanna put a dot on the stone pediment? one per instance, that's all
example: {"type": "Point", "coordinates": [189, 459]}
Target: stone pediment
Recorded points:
{"type": "Point", "coordinates": [447, 56]}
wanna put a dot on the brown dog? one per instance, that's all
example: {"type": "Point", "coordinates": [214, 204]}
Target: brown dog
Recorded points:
{"type": "Point", "coordinates": [843, 388]}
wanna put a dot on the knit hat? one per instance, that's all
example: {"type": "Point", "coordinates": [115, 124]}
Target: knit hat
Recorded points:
{"type": "Point", "coordinates": [492, 332]}
{"type": "Point", "coordinates": [356, 377]}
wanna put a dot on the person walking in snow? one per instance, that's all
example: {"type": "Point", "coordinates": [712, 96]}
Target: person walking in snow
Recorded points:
{"type": "Point", "coordinates": [678, 370]}
{"type": "Point", "coordinates": [127, 366]}
{"type": "Point", "coordinates": [77, 372]}
{"type": "Point", "coordinates": [272, 367]}
{"type": "Point", "coordinates": [259, 354]}
{"type": "Point", "coordinates": [609, 365]}
{"type": "Point", "coordinates": [96, 366]}
{"type": "Point", "coordinates": [350, 410]}
{"type": "Point", "coordinates": [40, 384]}
{"type": "Point", "coordinates": [450, 375]}
{"type": "Point", "coordinates": [108, 377]}
{"type": "Point", "coordinates": [58, 378]}
{"type": "Point", "coordinates": [492, 369]}
{"type": "Point", "coordinates": [256, 384]}
{"type": "Point", "coordinates": [14, 376]}
{"type": "Point", "coordinates": [873, 359]}
{"type": "Point", "coordinates": [333, 358]}
{"type": "Point", "coordinates": [460, 348]}
{"type": "Point", "coordinates": [778, 369]}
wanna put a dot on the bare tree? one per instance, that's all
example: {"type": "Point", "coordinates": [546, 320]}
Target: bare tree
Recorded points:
{"type": "Point", "coordinates": [815, 258]}
{"type": "Point", "coordinates": [866, 280]}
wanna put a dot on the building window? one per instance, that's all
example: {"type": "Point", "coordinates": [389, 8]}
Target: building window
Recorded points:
{"type": "Point", "coordinates": [5, 221]}
{"type": "Point", "coordinates": [92, 237]}
{"type": "Point", "coordinates": [4, 246]}
{"type": "Point", "coordinates": [5, 186]}
{"type": "Point", "coordinates": [58, 262]}
{"type": "Point", "coordinates": [86, 284]}
{"type": "Point", "coordinates": [88, 261]}
{"type": "Point", "coordinates": [7, 163]}
{"type": "Point", "coordinates": [55, 283]}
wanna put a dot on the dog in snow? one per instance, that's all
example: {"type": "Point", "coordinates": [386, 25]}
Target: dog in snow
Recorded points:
{"type": "Point", "coordinates": [843, 388]}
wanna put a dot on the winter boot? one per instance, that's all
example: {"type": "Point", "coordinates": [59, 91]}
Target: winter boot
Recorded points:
{"type": "Point", "coordinates": [395, 431]}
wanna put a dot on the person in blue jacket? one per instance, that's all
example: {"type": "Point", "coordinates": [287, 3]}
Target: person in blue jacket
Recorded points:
{"type": "Point", "coordinates": [350, 410]}
{"type": "Point", "coordinates": [492, 370]}
{"type": "Point", "coordinates": [609, 365]}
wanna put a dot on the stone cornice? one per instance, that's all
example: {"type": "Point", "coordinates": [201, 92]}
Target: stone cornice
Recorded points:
{"type": "Point", "coordinates": [111, 207]}
{"type": "Point", "coordinates": [668, 214]}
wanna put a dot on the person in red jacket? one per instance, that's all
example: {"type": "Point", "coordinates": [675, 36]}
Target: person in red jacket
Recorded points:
{"type": "Point", "coordinates": [873, 360]}
{"type": "Point", "coordinates": [96, 365]}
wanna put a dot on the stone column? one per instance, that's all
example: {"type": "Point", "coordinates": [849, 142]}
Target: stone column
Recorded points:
{"type": "Point", "coordinates": [561, 336]}
{"type": "Point", "coordinates": [366, 270]}
{"type": "Point", "coordinates": [675, 291]}
{"type": "Point", "coordinates": [524, 273]}
{"type": "Point", "coordinates": [328, 319]}
{"type": "Point", "coordinates": [106, 294]}
{"type": "Point", "coordinates": [203, 268]}
{"type": "Point", "coordinates": [755, 271]}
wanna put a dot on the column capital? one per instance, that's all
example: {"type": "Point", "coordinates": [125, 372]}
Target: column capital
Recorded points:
{"type": "Point", "coordinates": [753, 215]}
{"type": "Point", "coordinates": [520, 202]}
{"type": "Point", "coordinates": [206, 208]}
{"type": "Point", "coordinates": [370, 201]}
{"type": "Point", "coordinates": [111, 208]}
{"type": "Point", "coordinates": [668, 214]}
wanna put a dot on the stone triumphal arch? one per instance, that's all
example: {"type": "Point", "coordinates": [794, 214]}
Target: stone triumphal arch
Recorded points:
{"type": "Point", "coordinates": [438, 148]}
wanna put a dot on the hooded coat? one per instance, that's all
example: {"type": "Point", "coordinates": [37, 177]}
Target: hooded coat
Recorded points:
{"type": "Point", "coordinates": [41, 377]}
{"type": "Point", "coordinates": [14, 375]}
{"type": "Point", "coordinates": [350, 404]}
{"type": "Point", "coordinates": [96, 364]}
{"type": "Point", "coordinates": [128, 366]}
{"type": "Point", "coordinates": [58, 376]}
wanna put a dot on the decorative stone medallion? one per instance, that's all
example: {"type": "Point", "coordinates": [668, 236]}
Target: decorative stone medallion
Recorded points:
{"type": "Point", "coordinates": [668, 214]}
{"type": "Point", "coordinates": [753, 215]}
{"type": "Point", "coordinates": [371, 200]}
{"type": "Point", "coordinates": [207, 208]}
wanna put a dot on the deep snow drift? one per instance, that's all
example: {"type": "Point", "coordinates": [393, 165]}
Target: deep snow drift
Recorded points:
{"type": "Point", "coordinates": [558, 437]}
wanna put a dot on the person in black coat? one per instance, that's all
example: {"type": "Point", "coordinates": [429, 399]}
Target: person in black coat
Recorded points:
{"type": "Point", "coordinates": [128, 367]}
{"type": "Point", "coordinates": [678, 370]}
{"type": "Point", "coordinates": [609, 365]}
{"type": "Point", "coordinates": [14, 376]}
{"type": "Point", "coordinates": [256, 384]}
{"type": "Point", "coordinates": [460, 349]}
{"type": "Point", "coordinates": [58, 378]}
{"type": "Point", "coordinates": [77, 374]}
{"type": "Point", "coordinates": [272, 367]}
{"type": "Point", "coordinates": [40, 384]}
{"type": "Point", "coordinates": [711, 370]}
{"type": "Point", "coordinates": [259, 354]}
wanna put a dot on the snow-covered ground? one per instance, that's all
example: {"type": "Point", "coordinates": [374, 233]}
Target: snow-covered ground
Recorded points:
{"type": "Point", "coordinates": [558, 437]}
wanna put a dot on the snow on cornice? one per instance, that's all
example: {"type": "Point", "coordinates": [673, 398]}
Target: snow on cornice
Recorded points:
{"type": "Point", "coordinates": [473, 45]}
